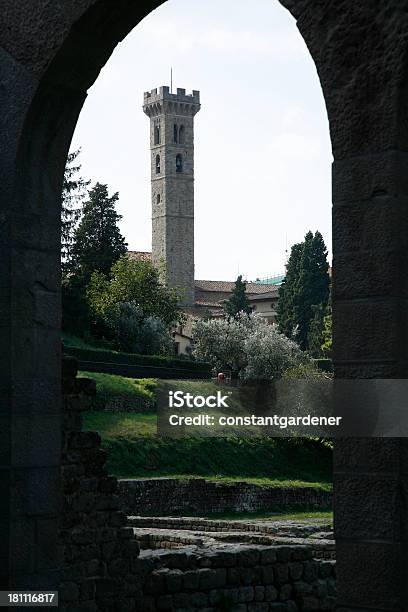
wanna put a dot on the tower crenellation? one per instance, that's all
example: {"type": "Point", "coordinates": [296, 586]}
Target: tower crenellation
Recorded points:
{"type": "Point", "coordinates": [172, 184]}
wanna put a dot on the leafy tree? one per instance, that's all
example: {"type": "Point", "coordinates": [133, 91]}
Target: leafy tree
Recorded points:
{"type": "Point", "coordinates": [137, 333]}
{"type": "Point", "coordinates": [315, 335]}
{"type": "Point", "coordinates": [238, 301]}
{"type": "Point", "coordinates": [98, 243]}
{"type": "Point", "coordinates": [305, 289]}
{"type": "Point", "coordinates": [74, 189]}
{"type": "Point", "coordinates": [327, 334]}
{"type": "Point", "coordinates": [135, 281]}
{"type": "Point", "coordinates": [247, 346]}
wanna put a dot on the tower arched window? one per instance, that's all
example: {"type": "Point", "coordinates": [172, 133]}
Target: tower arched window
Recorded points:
{"type": "Point", "coordinates": [157, 134]}
{"type": "Point", "coordinates": [175, 133]}
{"type": "Point", "coordinates": [157, 164]}
{"type": "Point", "coordinates": [158, 198]}
{"type": "Point", "coordinates": [181, 134]}
{"type": "Point", "coordinates": [179, 163]}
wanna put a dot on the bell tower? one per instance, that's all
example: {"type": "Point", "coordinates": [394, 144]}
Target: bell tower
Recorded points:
{"type": "Point", "coordinates": [172, 178]}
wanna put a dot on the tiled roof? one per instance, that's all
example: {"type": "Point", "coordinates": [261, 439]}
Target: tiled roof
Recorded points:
{"type": "Point", "coordinates": [216, 286]}
{"type": "Point", "coordinates": [146, 255]}
{"type": "Point", "coordinates": [228, 286]}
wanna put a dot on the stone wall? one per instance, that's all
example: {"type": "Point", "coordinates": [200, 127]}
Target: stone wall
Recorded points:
{"type": "Point", "coordinates": [163, 496]}
{"type": "Point", "coordinates": [124, 403]}
{"type": "Point", "coordinates": [237, 579]}
{"type": "Point", "coordinates": [98, 547]}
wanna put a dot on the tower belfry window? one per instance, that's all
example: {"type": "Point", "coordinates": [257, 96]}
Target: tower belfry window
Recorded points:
{"type": "Point", "coordinates": [157, 164]}
{"type": "Point", "coordinates": [179, 163]}
{"type": "Point", "coordinates": [157, 134]}
{"type": "Point", "coordinates": [175, 133]}
{"type": "Point", "coordinates": [181, 134]}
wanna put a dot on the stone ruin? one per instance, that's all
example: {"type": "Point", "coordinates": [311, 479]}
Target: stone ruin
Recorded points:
{"type": "Point", "coordinates": [114, 562]}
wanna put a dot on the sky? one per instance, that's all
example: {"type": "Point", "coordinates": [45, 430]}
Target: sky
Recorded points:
{"type": "Point", "coordinates": [262, 146]}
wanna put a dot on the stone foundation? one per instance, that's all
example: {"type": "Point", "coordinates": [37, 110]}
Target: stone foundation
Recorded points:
{"type": "Point", "coordinates": [161, 496]}
{"type": "Point", "coordinates": [103, 569]}
{"type": "Point", "coordinates": [98, 546]}
{"type": "Point", "coordinates": [237, 579]}
{"type": "Point", "coordinates": [173, 533]}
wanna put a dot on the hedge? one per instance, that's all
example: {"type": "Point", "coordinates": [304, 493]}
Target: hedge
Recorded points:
{"type": "Point", "coordinates": [133, 359]}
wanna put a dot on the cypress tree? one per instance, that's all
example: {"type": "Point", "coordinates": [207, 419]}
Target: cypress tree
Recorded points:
{"type": "Point", "coordinates": [286, 311]}
{"type": "Point", "coordinates": [238, 302]}
{"type": "Point", "coordinates": [305, 291]}
{"type": "Point", "coordinates": [74, 189]}
{"type": "Point", "coordinates": [98, 243]}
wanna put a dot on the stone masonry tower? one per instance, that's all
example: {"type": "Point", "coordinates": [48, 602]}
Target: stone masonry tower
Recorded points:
{"type": "Point", "coordinates": [172, 170]}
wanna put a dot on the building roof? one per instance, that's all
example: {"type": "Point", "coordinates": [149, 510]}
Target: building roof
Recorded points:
{"type": "Point", "coordinates": [146, 255]}
{"type": "Point", "coordinates": [228, 286]}
{"type": "Point", "coordinates": [215, 286]}
{"type": "Point", "coordinates": [268, 295]}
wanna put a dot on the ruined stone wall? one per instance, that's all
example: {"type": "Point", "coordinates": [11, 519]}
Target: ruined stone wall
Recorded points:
{"type": "Point", "coordinates": [237, 579]}
{"type": "Point", "coordinates": [98, 548]}
{"type": "Point", "coordinates": [163, 496]}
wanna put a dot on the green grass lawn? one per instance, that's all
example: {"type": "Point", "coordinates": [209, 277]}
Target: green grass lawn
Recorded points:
{"type": "Point", "coordinates": [136, 451]}
{"type": "Point", "coordinates": [110, 385]}
{"type": "Point", "coordinates": [77, 342]}
{"type": "Point", "coordinates": [273, 516]}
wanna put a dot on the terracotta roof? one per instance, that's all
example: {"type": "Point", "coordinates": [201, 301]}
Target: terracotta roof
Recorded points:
{"type": "Point", "coordinates": [146, 255]}
{"type": "Point", "coordinates": [228, 286]}
{"type": "Point", "coordinates": [216, 286]}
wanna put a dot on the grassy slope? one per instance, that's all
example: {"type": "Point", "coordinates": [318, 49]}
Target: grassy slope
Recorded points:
{"type": "Point", "coordinates": [273, 516]}
{"type": "Point", "coordinates": [109, 385]}
{"type": "Point", "coordinates": [136, 451]}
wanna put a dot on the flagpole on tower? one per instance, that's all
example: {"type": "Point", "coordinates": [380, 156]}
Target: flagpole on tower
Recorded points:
{"type": "Point", "coordinates": [171, 80]}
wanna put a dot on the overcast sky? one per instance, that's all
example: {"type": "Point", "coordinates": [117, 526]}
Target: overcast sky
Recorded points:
{"type": "Point", "coordinates": [263, 154]}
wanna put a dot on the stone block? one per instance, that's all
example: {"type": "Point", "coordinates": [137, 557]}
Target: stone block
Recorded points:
{"type": "Point", "coordinates": [361, 337]}
{"type": "Point", "coordinates": [285, 592]}
{"type": "Point", "coordinates": [327, 569]}
{"type": "Point", "coordinates": [295, 570]}
{"type": "Point", "coordinates": [191, 580]}
{"type": "Point", "coordinates": [174, 580]}
{"type": "Point", "coordinates": [281, 573]}
{"type": "Point", "coordinates": [246, 594]}
{"type": "Point", "coordinates": [181, 600]}
{"type": "Point", "coordinates": [199, 600]}
{"type": "Point", "coordinates": [258, 607]}
{"type": "Point", "coordinates": [271, 593]}
{"type": "Point", "coordinates": [259, 593]}
{"type": "Point", "coordinates": [248, 557]}
{"type": "Point", "coordinates": [69, 591]}
{"type": "Point", "coordinates": [268, 576]}
{"type": "Point", "coordinates": [164, 602]}
{"type": "Point", "coordinates": [283, 553]}
{"type": "Point", "coordinates": [371, 176]}
{"type": "Point", "coordinates": [212, 578]}
{"type": "Point", "coordinates": [370, 510]}
{"type": "Point", "coordinates": [368, 574]}
{"type": "Point", "coordinates": [310, 571]}
{"type": "Point", "coordinates": [268, 556]}
{"type": "Point", "coordinates": [87, 589]}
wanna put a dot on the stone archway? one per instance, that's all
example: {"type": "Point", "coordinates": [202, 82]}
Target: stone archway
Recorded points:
{"type": "Point", "coordinates": [51, 54]}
